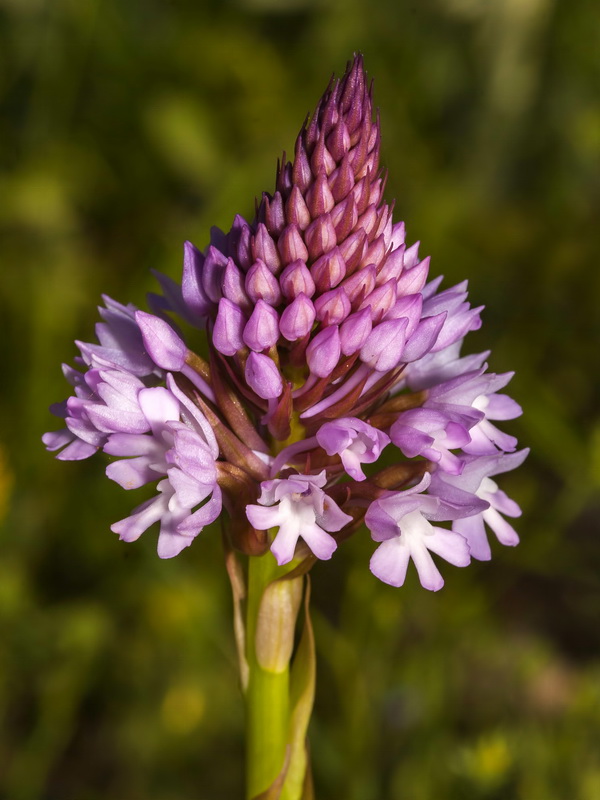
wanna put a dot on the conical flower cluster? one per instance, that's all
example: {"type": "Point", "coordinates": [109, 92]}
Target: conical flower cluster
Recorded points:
{"type": "Point", "coordinates": [334, 392]}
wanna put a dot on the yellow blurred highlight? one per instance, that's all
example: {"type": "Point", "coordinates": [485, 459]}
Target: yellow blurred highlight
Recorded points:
{"type": "Point", "coordinates": [487, 762]}
{"type": "Point", "coordinates": [590, 785]}
{"type": "Point", "coordinates": [182, 709]}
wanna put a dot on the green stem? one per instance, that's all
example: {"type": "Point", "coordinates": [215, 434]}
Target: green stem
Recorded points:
{"type": "Point", "coordinates": [267, 697]}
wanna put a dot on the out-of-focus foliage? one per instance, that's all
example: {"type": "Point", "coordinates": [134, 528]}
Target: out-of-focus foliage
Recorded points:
{"type": "Point", "coordinates": [128, 127]}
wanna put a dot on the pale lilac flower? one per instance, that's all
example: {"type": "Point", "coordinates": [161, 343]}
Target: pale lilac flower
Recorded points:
{"type": "Point", "coordinates": [402, 522]}
{"type": "Point", "coordinates": [67, 445]}
{"type": "Point", "coordinates": [171, 300]}
{"type": "Point", "coordinates": [432, 434]}
{"type": "Point", "coordinates": [486, 437]}
{"type": "Point", "coordinates": [300, 509]}
{"type": "Point", "coordinates": [478, 391]}
{"type": "Point", "coordinates": [105, 401]}
{"type": "Point", "coordinates": [163, 409]}
{"type": "Point", "coordinates": [179, 446]}
{"type": "Point", "coordinates": [191, 478]}
{"type": "Point", "coordinates": [460, 319]}
{"type": "Point", "coordinates": [439, 367]}
{"type": "Point", "coordinates": [143, 455]}
{"type": "Point", "coordinates": [120, 341]}
{"type": "Point", "coordinates": [476, 479]}
{"type": "Point", "coordinates": [355, 441]}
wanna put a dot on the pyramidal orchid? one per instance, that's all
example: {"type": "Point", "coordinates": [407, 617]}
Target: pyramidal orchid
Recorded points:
{"type": "Point", "coordinates": [334, 400]}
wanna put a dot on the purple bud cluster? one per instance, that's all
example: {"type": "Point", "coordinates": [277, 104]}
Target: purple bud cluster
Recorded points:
{"type": "Point", "coordinates": [327, 346]}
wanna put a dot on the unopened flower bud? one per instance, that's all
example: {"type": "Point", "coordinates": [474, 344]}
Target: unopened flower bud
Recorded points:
{"type": "Point", "coordinates": [332, 307]}
{"type": "Point", "coordinates": [355, 330]}
{"type": "Point", "coordinates": [264, 248]}
{"type": "Point", "coordinates": [361, 284]}
{"type": "Point", "coordinates": [361, 195]}
{"type": "Point", "coordinates": [352, 249]}
{"type": "Point", "coordinates": [239, 242]}
{"type": "Point", "coordinates": [409, 306]}
{"type": "Point", "coordinates": [296, 279]}
{"type": "Point", "coordinates": [321, 159]}
{"type": "Point", "coordinates": [262, 329]}
{"type": "Point", "coordinates": [368, 223]}
{"type": "Point", "coordinates": [376, 251]}
{"type": "Point", "coordinates": [338, 141]}
{"type": "Point", "coordinates": [320, 236]}
{"type": "Point", "coordinates": [384, 346]}
{"type": "Point", "coordinates": [229, 325]}
{"type": "Point", "coordinates": [274, 213]}
{"type": "Point", "coordinates": [323, 353]}
{"type": "Point", "coordinates": [192, 290]}
{"type": "Point", "coordinates": [296, 209]}
{"type": "Point", "coordinates": [233, 285]}
{"type": "Point", "coordinates": [262, 376]}
{"type": "Point", "coordinates": [301, 171]}
{"type": "Point", "coordinates": [261, 284]}
{"type": "Point", "coordinates": [392, 265]}
{"type": "Point", "coordinates": [162, 344]}
{"type": "Point", "coordinates": [380, 300]}
{"type": "Point", "coordinates": [342, 180]}
{"type": "Point", "coordinates": [297, 319]}
{"type": "Point", "coordinates": [344, 217]}
{"type": "Point", "coordinates": [319, 198]}
{"type": "Point", "coordinates": [291, 245]}
{"type": "Point", "coordinates": [413, 278]}
{"type": "Point", "coordinates": [213, 271]}
{"type": "Point", "coordinates": [328, 270]}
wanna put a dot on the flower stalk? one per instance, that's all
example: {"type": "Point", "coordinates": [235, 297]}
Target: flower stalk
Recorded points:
{"type": "Point", "coordinates": [276, 719]}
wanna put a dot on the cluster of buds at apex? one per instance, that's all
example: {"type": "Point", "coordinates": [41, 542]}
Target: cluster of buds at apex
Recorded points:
{"type": "Point", "coordinates": [333, 393]}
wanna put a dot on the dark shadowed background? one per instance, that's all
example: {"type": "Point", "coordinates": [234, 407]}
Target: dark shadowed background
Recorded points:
{"type": "Point", "coordinates": [129, 126]}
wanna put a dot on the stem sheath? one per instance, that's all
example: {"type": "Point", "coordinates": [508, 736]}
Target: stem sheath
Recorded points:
{"type": "Point", "coordinates": [268, 694]}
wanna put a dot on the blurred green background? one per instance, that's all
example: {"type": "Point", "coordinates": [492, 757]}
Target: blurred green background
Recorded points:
{"type": "Point", "coordinates": [129, 126]}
